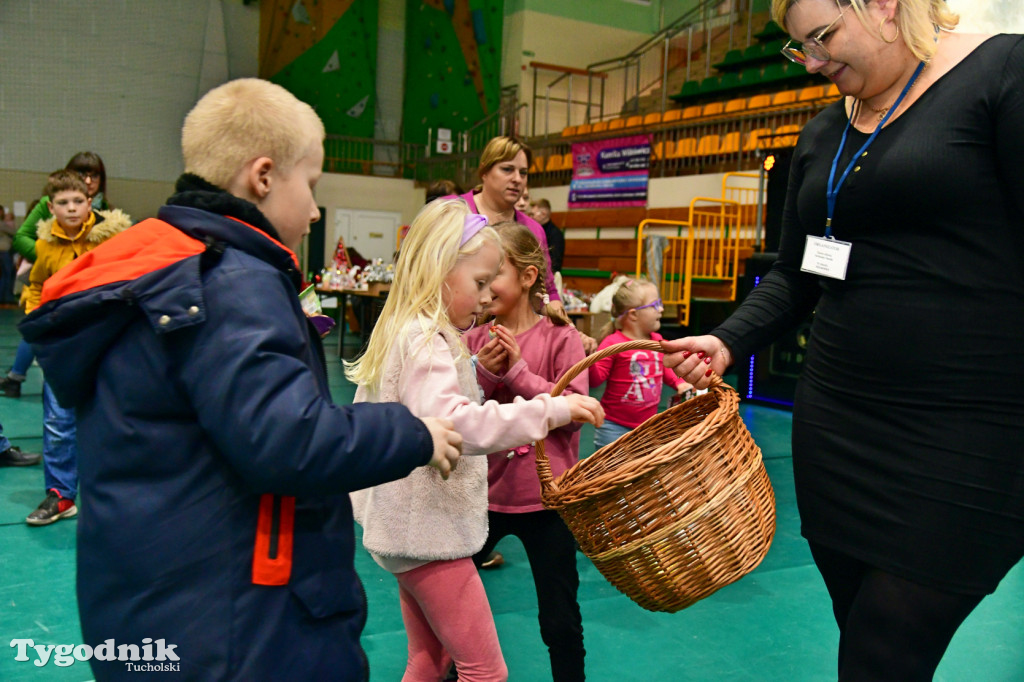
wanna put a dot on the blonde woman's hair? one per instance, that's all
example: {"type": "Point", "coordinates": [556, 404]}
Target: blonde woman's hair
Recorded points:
{"type": "Point", "coordinates": [500, 150]}
{"type": "Point", "coordinates": [916, 20]}
{"type": "Point", "coordinates": [243, 120]}
{"type": "Point", "coordinates": [522, 249]}
{"type": "Point", "coordinates": [429, 252]}
{"type": "Point", "coordinates": [629, 295]}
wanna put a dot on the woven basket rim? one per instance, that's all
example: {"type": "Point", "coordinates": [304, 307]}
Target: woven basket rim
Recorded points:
{"type": "Point", "coordinates": [642, 466]}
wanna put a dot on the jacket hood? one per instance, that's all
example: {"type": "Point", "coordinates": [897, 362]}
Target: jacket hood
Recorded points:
{"type": "Point", "coordinates": [108, 223]}
{"type": "Point", "coordinates": [153, 270]}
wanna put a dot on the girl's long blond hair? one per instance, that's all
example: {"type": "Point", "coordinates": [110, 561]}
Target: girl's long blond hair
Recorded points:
{"type": "Point", "coordinates": [429, 252]}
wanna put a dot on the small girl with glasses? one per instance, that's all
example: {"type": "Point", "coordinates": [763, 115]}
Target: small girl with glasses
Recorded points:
{"type": "Point", "coordinates": [634, 377]}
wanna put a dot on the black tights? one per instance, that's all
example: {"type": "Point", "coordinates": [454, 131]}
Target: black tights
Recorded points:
{"type": "Point", "coordinates": [889, 628]}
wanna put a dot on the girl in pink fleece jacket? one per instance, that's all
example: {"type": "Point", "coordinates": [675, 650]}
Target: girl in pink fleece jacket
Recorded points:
{"type": "Point", "coordinates": [422, 528]}
{"type": "Point", "coordinates": [522, 355]}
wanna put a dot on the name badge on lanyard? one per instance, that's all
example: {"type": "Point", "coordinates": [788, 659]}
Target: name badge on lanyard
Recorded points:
{"type": "Point", "coordinates": [826, 257]}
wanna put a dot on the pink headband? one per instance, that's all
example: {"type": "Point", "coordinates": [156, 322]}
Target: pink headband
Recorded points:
{"type": "Point", "coordinates": [473, 224]}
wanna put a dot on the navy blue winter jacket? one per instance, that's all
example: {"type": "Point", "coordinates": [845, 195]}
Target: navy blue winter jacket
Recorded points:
{"type": "Point", "coordinates": [214, 468]}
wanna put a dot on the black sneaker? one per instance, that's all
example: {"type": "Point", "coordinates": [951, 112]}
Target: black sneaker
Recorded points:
{"type": "Point", "coordinates": [14, 457]}
{"type": "Point", "coordinates": [11, 388]}
{"type": "Point", "coordinates": [52, 509]}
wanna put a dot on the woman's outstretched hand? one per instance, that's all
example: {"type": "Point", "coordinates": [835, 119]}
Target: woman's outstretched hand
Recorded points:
{"type": "Point", "coordinates": [694, 358]}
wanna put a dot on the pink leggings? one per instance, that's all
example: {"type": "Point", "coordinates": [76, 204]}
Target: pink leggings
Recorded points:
{"type": "Point", "coordinates": [447, 617]}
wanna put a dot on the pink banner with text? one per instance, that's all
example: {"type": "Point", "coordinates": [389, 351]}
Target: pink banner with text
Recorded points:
{"type": "Point", "coordinates": [610, 173]}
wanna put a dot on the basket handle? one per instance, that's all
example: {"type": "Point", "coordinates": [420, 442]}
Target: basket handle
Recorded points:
{"type": "Point", "coordinates": [547, 484]}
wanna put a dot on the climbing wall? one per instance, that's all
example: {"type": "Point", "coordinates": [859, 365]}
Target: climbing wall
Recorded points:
{"type": "Point", "coordinates": [453, 64]}
{"type": "Point", "coordinates": [325, 52]}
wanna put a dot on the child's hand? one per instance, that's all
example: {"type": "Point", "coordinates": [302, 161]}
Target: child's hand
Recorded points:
{"type": "Point", "coordinates": [583, 408]}
{"type": "Point", "coordinates": [508, 342]}
{"type": "Point", "coordinates": [493, 357]}
{"type": "Point", "coordinates": [447, 445]}
{"type": "Point", "coordinates": [682, 388]}
{"type": "Point", "coordinates": [589, 343]}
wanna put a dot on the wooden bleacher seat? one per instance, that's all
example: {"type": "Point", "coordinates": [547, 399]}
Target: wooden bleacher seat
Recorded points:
{"type": "Point", "coordinates": [538, 164]}
{"type": "Point", "coordinates": [617, 124]}
{"type": "Point", "coordinates": [634, 121]}
{"type": "Point", "coordinates": [600, 127]}
{"type": "Point", "coordinates": [734, 106]}
{"type": "Point", "coordinates": [568, 131]}
{"type": "Point", "coordinates": [583, 129]}
{"type": "Point", "coordinates": [554, 163]}
{"type": "Point", "coordinates": [832, 91]}
{"type": "Point", "coordinates": [567, 161]}
{"type": "Point", "coordinates": [652, 119]}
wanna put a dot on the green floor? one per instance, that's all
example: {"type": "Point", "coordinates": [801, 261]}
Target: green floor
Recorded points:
{"type": "Point", "coordinates": [775, 624]}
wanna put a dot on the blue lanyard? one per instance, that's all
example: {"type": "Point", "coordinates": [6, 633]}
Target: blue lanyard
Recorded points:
{"type": "Point", "coordinates": [833, 191]}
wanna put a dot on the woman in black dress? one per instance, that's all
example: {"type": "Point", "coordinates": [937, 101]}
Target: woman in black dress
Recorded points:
{"type": "Point", "coordinates": [904, 231]}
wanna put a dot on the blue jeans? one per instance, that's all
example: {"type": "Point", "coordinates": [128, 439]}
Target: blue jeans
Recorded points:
{"type": "Point", "coordinates": [23, 358]}
{"type": "Point", "coordinates": [609, 432]}
{"type": "Point", "coordinates": [60, 446]}
{"type": "Point", "coordinates": [5, 444]}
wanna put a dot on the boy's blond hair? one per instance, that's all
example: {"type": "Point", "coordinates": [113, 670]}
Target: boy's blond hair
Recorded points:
{"type": "Point", "coordinates": [243, 120]}
{"type": "Point", "coordinates": [429, 252]}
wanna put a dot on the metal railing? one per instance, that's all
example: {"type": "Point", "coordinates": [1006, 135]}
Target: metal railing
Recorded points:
{"type": "Point", "coordinates": [365, 156]}
{"type": "Point", "coordinates": [615, 87]}
{"type": "Point", "coordinates": [713, 144]}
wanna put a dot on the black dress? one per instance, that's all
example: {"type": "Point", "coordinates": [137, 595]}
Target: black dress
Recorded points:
{"type": "Point", "coordinates": [908, 424]}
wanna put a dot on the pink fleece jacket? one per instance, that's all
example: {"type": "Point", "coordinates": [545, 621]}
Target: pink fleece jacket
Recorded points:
{"type": "Point", "coordinates": [548, 351]}
{"type": "Point", "coordinates": [422, 518]}
{"type": "Point", "coordinates": [634, 381]}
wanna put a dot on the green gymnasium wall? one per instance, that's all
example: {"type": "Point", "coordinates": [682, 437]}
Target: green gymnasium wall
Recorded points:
{"type": "Point", "coordinates": [336, 73]}
{"type": "Point", "coordinates": [452, 64]}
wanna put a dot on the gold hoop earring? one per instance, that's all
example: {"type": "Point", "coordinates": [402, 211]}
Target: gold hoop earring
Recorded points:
{"type": "Point", "coordinates": [882, 35]}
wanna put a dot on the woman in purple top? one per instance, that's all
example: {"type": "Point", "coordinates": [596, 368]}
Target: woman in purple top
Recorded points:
{"type": "Point", "coordinates": [504, 165]}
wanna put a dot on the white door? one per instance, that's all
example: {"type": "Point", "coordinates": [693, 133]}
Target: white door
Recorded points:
{"type": "Point", "coordinates": [372, 233]}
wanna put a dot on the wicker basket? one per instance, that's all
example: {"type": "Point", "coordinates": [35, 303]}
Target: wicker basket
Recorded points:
{"type": "Point", "coordinates": [674, 510]}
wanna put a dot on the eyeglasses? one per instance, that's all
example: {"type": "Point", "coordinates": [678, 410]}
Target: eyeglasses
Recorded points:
{"type": "Point", "coordinates": [813, 48]}
{"type": "Point", "coordinates": [656, 304]}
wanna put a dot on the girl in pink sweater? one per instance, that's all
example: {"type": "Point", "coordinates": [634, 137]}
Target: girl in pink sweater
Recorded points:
{"type": "Point", "coordinates": [523, 354]}
{"type": "Point", "coordinates": [424, 529]}
{"type": "Point", "coordinates": [634, 377]}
